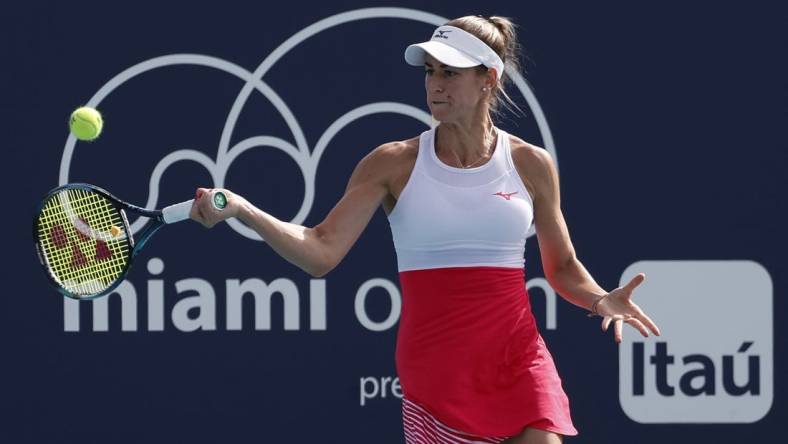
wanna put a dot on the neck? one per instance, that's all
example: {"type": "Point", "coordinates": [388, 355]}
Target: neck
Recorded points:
{"type": "Point", "coordinates": [468, 143]}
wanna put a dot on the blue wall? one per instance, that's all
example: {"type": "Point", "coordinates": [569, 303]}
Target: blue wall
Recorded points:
{"type": "Point", "coordinates": [663, 119]}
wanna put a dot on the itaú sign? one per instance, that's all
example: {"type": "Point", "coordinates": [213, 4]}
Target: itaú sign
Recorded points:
{"type": "Point", "coordinates": [714, 360]}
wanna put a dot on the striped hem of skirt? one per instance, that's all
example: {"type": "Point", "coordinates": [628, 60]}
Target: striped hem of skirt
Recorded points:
{"type": "Point", "coordinates": [423, 428]}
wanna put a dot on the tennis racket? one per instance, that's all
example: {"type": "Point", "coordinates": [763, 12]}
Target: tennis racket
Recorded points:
{"type": "Point", "coordinates": [84, 241]}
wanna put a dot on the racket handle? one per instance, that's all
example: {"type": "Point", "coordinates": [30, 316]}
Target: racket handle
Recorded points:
{"type": "Point", "coordinates": [219, 200]}
{"type": "Point", "coordinates": [177, 212]}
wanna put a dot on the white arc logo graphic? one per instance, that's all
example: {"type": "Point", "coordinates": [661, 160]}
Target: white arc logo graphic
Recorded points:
{"type": "Point", "coordinates": [306, 159]}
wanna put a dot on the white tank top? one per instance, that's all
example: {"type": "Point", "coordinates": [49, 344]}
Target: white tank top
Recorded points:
{"type": "Point", "coordinates": [454, 217]}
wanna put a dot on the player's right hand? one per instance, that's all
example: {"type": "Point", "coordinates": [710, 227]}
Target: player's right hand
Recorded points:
{"type": "Point", "coordinates": [204, 212]}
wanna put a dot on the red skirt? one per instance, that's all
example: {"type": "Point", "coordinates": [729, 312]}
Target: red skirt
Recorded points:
{"type": "Point", "coordinates": [470, 354]}
{"type": "Point", "coordinates": [421, 427]}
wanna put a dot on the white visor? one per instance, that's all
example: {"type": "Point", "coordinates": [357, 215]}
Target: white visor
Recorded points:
{"type": "Point", "coordinates": [455, 47]}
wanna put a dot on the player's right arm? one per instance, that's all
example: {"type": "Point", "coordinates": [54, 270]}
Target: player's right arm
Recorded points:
{"type": "Point", "coordinates": [319, 249]}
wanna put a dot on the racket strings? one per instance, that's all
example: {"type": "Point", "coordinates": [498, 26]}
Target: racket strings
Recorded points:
{"type": "Point", "coordinates": [92, 213]}
{"type": "Point", "coordinates": [74, 231]}
{"type": "Point", "coordinates": [76, 263]}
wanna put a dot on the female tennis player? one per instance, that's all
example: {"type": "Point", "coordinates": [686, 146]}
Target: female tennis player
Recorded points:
{"type": "Point", "coordinates": [460, 199]}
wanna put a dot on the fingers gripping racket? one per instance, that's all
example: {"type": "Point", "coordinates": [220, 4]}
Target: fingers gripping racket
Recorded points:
{"type": "Point", "coordinates": [84, 241]}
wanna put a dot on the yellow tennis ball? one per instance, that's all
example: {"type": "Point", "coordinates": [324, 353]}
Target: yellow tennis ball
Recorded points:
{"type": "Point", "coordinates": [86, 123]}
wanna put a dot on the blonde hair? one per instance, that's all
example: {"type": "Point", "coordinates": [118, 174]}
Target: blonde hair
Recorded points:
{"type": "Point", "coordinates": [500, 34]}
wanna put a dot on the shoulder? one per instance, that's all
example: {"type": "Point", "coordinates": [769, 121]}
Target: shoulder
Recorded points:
{"type": "Point", "coordinates": [530, 157]}
{"type": "Point", "coordinates": [390, 160]}
{"type": "Point", "coordinates": [397, 150]}
{"type": "Point", "coordinates": [392, 156]}
{"type": "Point", "coordinates": [534, 164]}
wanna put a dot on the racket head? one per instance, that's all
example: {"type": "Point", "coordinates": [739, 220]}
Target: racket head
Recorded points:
{"type": "Point", "coordinates": [83, 240]}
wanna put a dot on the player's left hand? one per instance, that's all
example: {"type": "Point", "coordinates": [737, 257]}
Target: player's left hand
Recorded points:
{"type": "Point", "coordinates": [617, 307]}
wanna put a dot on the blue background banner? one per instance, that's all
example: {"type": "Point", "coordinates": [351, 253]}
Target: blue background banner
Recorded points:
{"type": "Point", "coordinates": [666, 122]}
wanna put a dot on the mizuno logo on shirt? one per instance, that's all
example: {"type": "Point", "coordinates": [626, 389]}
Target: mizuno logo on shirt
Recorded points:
{"type": "Point", "coordinates": [507, 196]}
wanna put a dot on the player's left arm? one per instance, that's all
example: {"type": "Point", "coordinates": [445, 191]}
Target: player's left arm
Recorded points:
{"type": "Point", "coordinates": [562, 268]}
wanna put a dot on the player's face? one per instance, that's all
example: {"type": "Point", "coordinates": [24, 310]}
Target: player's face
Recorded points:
{"type": "Point", "coordinates": [452, 93]}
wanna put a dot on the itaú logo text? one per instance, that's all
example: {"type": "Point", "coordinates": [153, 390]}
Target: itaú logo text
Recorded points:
{"type": "Point", "coordinates": [697, 372]}
{"type": "Point", "coordinates": [714, 360]}
{"type": "Point", "coordinates": [197, 301]}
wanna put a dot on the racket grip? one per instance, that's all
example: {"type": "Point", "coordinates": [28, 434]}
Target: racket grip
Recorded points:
{"type": "Point", "coordinates": [177, 212]}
